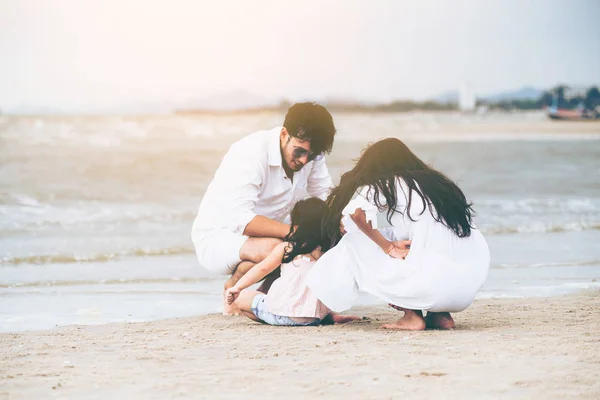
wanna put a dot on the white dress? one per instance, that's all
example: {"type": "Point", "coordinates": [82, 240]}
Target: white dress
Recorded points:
{"type": "Point", "coordinates": [442, 272]}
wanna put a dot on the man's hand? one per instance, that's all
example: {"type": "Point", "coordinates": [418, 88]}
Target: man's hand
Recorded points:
{"type": "Point", "coordinates": [231, 294]}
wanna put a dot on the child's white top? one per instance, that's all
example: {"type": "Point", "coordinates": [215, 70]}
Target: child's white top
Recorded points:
{"type": "Point", "coordinates": [289, 295]}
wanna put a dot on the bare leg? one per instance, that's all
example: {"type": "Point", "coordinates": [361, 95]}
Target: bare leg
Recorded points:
{"type": "Point", "coordinates": [439, 320]}
{"type": "Point", "coordinates": [244, 303]}
{"type": "Point", "coordinates": [253, 251]}
{"type": "Point", "coordinates": [256, 249]}
{"type": "Point", "coordinates": [334, 318]}
{"type": "Point", "coordinates": [240, 271]}
{"type": "Point", "coordinates": [242, 268]}
{"type": "Point", "coordinates": [411, 321]}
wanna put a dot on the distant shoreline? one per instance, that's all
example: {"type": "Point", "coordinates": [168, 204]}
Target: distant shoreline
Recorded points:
{"type": "Point", "coordinates": [256, 111]}
{"type": "Point", "coordinates": [529, 123]}
{"type": "Point", "coordinates": [401, 107]}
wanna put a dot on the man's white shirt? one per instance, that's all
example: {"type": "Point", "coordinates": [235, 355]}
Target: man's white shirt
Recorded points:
{"type": "Point", "coordinates": [251, 181]}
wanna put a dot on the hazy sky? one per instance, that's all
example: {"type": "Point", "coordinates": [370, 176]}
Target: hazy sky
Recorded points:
{"type": "Point", "coordinates": [77, 55]}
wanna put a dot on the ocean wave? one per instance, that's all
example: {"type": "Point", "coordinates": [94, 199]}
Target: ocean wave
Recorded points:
{"type": "Point", "coordinates": [528, 291]}
{"type": "Point", "coordinates": [20, 199]}
{"type": "Point", "coordinates": [138, 281]}
{"type": "Point", "coordinates": [541, 206]}
{"type": "Point", "coordinates": [483, 136]}
{"type": "Point", "coordinates": [588, 263]}
{"type": "Point", "coordinates": [93, 214]}
{"type": "Point", "coordinates": [540, 228]}
{"type": "Point", "coordinates": [97, 257]}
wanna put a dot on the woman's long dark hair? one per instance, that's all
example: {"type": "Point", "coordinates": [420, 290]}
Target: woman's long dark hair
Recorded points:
{"type": "Point", "coordinates": [305, 230]}
{"type": "Point", "coordinates": [379, 167]}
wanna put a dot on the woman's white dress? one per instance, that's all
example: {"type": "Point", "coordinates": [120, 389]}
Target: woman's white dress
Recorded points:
{"type": "Point", "coordinates": [442, 272]}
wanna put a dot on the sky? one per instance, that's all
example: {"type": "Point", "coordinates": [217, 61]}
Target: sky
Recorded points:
{"type": "Point", "coordinates": [74, 55]}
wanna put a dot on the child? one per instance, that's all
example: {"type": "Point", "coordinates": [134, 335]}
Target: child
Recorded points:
{"type": "Point", "coordinates": [289, 301]}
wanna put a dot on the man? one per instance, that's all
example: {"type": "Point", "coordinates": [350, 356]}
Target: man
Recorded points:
{"type": "Point", "coordinates": [245, 211]}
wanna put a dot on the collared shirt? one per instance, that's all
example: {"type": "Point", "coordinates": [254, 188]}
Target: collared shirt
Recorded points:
{"type": "Point", "coordinates": [251, 181]}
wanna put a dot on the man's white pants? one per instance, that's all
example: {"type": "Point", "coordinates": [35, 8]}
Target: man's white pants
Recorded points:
{"type": "Point", "coordinates": [218, 251]}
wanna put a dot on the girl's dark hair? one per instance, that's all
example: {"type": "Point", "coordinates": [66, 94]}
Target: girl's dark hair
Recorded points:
{"type": "Point", "coordinates": [379, 167]}
{"type": "Point", "coordinates": [305, 230]}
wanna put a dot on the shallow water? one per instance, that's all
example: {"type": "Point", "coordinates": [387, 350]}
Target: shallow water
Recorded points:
{"type": "Point", "coordinates": [95, 212]}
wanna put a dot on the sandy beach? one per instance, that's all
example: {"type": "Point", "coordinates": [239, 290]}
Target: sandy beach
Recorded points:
{"type": "Point", "coordinates": [520, 348]}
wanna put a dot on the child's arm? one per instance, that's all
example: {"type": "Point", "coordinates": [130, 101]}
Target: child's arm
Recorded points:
{"type": "Point", "coordinates": [258, 272]}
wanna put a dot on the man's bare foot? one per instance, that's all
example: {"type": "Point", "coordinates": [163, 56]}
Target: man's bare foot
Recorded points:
{"type": "Point", "coordinates": [441, 320]}
{"type": "Point", "coordinates": [411, 321]}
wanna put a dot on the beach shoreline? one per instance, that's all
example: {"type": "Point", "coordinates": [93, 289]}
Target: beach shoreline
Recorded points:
{"type": "Point", "coordinates": [523, 348]}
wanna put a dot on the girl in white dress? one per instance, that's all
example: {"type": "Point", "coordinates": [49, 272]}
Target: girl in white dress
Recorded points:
{"type": "Point", "coordinates": [448, 260]}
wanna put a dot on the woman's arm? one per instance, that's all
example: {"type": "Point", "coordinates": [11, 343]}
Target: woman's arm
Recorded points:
{"type": "Point", "coordinates": [398, 249]}
{"type": "Point", "coordinates": [360, 219]}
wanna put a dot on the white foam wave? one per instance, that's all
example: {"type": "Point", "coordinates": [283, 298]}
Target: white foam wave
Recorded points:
{"type": "Point", "coordinates": [541, 205]}
{"type": "Point", "coordinates": [586, 263]}
{"type": "Point", "coordinates": [539, 227]}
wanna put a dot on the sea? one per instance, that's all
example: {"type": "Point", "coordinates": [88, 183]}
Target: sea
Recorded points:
{"type": "Point", "coordinates": [96, 211]}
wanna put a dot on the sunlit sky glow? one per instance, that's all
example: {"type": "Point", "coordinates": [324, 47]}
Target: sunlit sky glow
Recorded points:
{"type": "Point", "coordinates": [83, 55]}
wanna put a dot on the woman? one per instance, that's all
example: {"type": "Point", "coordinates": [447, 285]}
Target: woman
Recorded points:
{"type": "Point", "coordinates": [448, 259]}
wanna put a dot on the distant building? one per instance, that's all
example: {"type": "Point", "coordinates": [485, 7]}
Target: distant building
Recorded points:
{"type": "Point", "coordinates": [466, 98]}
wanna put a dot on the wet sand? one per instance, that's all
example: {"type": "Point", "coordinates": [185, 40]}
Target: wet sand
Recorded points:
{"type": "Point", "coordinates": [520, 348]}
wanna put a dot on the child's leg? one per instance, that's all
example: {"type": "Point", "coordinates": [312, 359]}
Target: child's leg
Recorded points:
{"type": "Point", "coordinates": [240, 270]}
{"type": "Point", "coordinates": [244, 302]}
{"type": "Point", "coordinates": [335, 318]}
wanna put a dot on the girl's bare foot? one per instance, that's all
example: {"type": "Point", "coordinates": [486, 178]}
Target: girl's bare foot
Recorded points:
{"type": "Point", "coordinates": [230, 309]}
{"type": "Point", "coordinates": [411, 321]}
{"type": "Point", "coordinates": [441, 320]}
{"type": "Point", "coordinates": [333, 318]}
{"type": "Point", "coordinates": [342, 319]}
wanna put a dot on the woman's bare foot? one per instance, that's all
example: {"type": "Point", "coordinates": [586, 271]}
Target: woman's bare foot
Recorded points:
{"type": "Point", "coordinates": [411, 321]}
{"type": "Point", "coordinates": [439, 320]}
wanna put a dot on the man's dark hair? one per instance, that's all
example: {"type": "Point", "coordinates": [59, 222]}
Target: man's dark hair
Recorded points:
{"type": "Point", "coordinates": [311, 122]}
